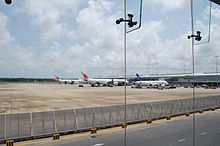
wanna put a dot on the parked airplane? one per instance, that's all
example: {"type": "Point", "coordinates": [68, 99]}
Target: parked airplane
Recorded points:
{"type": "Point", "coordinates": [103, 82]}
{"type": "Point", "coordinates": [65, 81]}
{"type": "Point", "coordinates": [141, 83]}
{"type": "Point", "coordinates": [120, 82]}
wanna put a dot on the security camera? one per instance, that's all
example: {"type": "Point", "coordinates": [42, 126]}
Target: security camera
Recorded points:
{"type": "Point", "coordinates": [198, 37]}
{"type": "Point", "coordinates": [119, 20]}
{"type": "Point", "coordinates": [8, 2]}
{"type": "Point", "coordinates": [130, 21]}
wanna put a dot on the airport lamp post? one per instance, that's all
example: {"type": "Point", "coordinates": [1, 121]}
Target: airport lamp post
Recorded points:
{"type": "Point", "coordinates": [216, 64]}
{"type": "Point", "coordinates": [197, 37]}
{"type": "Point", "coordinates": [130, 23]}
{"type": "Point", "coordinates": [184, 69]}
{"type": "Point", "coordinates": [193, 37]}
{"type": "Point", "coordinates": [156, 68]}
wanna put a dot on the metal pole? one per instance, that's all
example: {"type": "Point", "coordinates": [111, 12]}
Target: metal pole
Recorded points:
{"type": "Point", "coordinates": [75, 117]}
{"type": "Point", "coordinates": [5, 127]}
{"type": "Point", "coordinates": [125, 72]}
{"type": "Point", "coordinates": [139, 110]}
{"type": "Point", "coordinates": [54, 121]}
{"type": "Point", "coordinates": [93, 117]}
{"type": "Point", "coordinates": [156, 70]}
{"type": "Point", "coordinates": [193, 71]}
{"type": "Point", "coordinates": [64, 119]}
{"type": "Point", "coordinates": [110, 116]}
{"type": "Point", "coordinates": [184, 69]}
{"type": "Point", "coordinates": [18, 125]}
{"type": "Point", "coordinates": [216, 62]}
{"type": "Point", "coordinates": [43, 127]}
{"type": "Point", "coordinates": [31, 124]}
{"type": "Point", "coordinates": [85, 120]}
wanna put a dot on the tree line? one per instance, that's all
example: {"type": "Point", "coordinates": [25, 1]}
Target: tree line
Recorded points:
{"type": "Point", "coordinates": [26, 80]}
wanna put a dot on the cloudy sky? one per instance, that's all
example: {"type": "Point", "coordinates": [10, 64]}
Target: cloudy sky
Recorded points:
{"type": "Point", "coordinates": [43, 38]}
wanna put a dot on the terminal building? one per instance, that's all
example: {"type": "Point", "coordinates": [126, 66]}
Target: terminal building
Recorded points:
{"type": "Point", "coordinates": [184, 79]}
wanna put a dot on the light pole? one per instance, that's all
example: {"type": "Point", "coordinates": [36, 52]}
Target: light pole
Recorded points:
{"type": "Point", "coordinates": [184, 69]}
{"type": "Point", "coordinates": [197, 37]}
{"type": "Point", "coordinates": [193, 37]}
{"type": "Point", "coordinates": [130, 23]}
{"type": "Point", "coordinates": [216, 62]}
{"type": "Point", "coordinates": [156, 69]}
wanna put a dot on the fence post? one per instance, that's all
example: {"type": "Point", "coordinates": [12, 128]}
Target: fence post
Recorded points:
{"type": "Point", "coordinates": [64, 120]}
{"type": "Point", "coordinates": [138, 118]}
{"type": "Point", "coordinates": [102, 119]}
{"type": "Point", "coordinates": [43, 128]}
{"type": "Point", "coordinates": [181, 107]}
{"type": "Point", "coordinates": [76, 121]}
{"type": "Point", "coordinates": [216, 105]}
{"type": "Point", "coordinates": [152, 113]}
{"type": "Point", "coordinates": [5, 128]}
{"type": "Point", "coordinates": [31, 124]}
{"type": "Point", "coordinates": [110, 115]}
{"type": "Point", "coordinates": [54, 121]}
{"type": "Point", "coordinates": [162, 108]}
{"type": "Point", "coordinates": [171, 110]}
{"type": "Point", "coordinates": [18, 124]}
{"type": "Point", "coordinates": [184, 106]}
{"type": "Point", "coordinates": [204, 103]}
{"type": "Point", "coordinates": [210, 102]}
{"type": "Point", "coordinates": [85, 120]}
{"type": "Point", "coordinates": [117, 115]}
{"type": "Point", "coordinates": [144, 113]}
{"type": "Point", "coordinates": [93, 117]}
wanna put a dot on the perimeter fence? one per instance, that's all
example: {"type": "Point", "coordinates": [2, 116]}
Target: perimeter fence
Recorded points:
{"type": "Point", "coordinates": [13, 126]}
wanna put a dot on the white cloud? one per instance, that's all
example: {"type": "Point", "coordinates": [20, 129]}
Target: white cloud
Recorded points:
{"type": "Point", "coordinates": [167, 5]}
{"type": "Point", "coordinates": [146, 48]}
{"type": "Point", "coordinates": [100, 35]}
{"type": "Point", "coordinates": [95, 43]}
{"type": "Point", "coordinates": [72, 35]}
{"type": "Point", "coordinates": [5, 37]}
{"type": "Point", "coordinates": [47, 16]}
{"type": "Point", "coordinates": [15, 58]}
{"type": "Point", "coordinates": [216, 13]}
{"type": "Point", "coordinates": [96, 18]}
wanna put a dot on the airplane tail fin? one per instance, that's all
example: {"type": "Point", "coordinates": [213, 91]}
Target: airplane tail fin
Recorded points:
{"type": "Point", "coordinates": [57, 78]}
{"type": "Point", "coordinates": [138, 77]}
{"type": "Point", "coordinates": [85, 77]}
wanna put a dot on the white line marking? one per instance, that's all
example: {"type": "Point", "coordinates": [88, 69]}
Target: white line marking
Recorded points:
{"type": "Point", "coordinates": [101, 144]}
{"type": "Point", "coordinates": [181, 140]}
{"type": "Point", "coordinates": [203, 133]}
